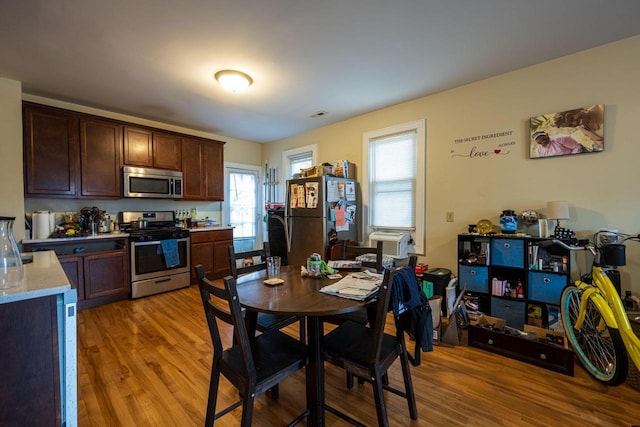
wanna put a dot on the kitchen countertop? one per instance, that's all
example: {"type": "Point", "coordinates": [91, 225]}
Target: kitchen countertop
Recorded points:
{"type": "Point", "coordinates": [42, 277]}
{"type": "Point", "coordinates": [211, 228]}
{"type": "Point", "coordinates": [76, 239]}
{"type": "Point", "coordinates": [116, 235]}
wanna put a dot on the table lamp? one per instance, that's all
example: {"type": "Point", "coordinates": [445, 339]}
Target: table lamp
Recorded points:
{"type": "Point", "coordinates": [558, 210]}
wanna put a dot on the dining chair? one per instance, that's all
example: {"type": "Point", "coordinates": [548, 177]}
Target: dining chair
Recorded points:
{"type": "Point", "coordinates": [353, 251]}
{"type": "Point", "coordinates": [252, 364]}
{"type": "Point", "coordinates": [368, 352]}
{"type": "Point", "coordinates": [256, 260]}
{"type": "Point", "coordinates": [343, 250]}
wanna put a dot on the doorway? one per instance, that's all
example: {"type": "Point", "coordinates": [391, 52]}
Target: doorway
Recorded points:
{"type": "Point", "coordinates": [243, 207]}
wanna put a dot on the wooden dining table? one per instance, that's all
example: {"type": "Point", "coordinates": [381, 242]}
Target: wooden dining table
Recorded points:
{"type": "Point", "coordinates": [299, 296]}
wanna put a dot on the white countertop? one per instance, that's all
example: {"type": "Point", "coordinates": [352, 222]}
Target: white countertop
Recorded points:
{"type": "Point", "coordinates": [42, 277]}
{"type": "Point", "coordinates": [77, 239]}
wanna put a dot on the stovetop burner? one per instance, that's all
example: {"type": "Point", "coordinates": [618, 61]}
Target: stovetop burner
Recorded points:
{"type": "Point", "coordinates": [160, 226]}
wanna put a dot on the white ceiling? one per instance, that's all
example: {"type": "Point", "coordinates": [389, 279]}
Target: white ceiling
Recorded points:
{"type": "Point", "coordinates": [155, 59]}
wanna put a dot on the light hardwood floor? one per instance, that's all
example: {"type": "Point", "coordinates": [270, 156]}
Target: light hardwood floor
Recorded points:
{"type": "Point", "coordinates": [147, 363]}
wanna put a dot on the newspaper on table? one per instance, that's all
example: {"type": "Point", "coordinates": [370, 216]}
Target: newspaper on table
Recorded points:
{"type": "Point", "coordinates": [359, 286]}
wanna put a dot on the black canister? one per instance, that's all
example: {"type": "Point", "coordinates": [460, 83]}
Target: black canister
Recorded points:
{"type": "Point", "coordinates": [440, 278]}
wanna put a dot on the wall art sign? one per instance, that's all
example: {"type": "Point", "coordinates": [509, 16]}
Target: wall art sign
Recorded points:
{"type": "Point", "coordinates": [576, 131]}
{"type": "Point", "coordinates": [482, 146]}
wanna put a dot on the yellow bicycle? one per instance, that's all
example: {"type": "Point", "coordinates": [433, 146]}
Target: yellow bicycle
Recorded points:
{"type": "Point", "coordinates": [594, 316]}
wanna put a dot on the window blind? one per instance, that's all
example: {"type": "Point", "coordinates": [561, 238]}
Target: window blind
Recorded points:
{"type": "Point", "coordinates": [392, 180]}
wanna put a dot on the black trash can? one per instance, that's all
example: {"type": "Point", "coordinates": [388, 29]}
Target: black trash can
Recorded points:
{"type": "Point", "coordinates": [440, 278]}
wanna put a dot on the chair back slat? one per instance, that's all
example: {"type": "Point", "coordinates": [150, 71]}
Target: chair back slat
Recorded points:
{"type": "Point", "coordinates": [348, 251]}
{"type": "Point", "coordinates": [234, 257]}
{"type": "Point", "coordinates": [223, 303]}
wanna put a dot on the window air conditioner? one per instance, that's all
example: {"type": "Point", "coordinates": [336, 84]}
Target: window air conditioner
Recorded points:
{"type": "Point", "coordinates": [393, 244]}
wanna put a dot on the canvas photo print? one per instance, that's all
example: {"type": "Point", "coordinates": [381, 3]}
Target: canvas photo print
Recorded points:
{"type": "Point", "coordinates": [576, 131]}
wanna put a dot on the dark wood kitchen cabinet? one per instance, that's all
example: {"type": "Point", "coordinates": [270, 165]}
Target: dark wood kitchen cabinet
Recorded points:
{"type": "Point", "coordinates": [203, 169]}
{"type": "Point", "coordinates": [77, 155]}
{"type": "Point", "coordinates": [51, 152]}
{"type": "Point", "coordinates": [210, 248]}
{"type": "Point", "coordinates": [67, 154]}
{"type": "Point", "coordinates": [148, 148]}
{"type": "Point", "coordinates": [97, 268]}
{"type": "Point", "coordinates": [101, 158]}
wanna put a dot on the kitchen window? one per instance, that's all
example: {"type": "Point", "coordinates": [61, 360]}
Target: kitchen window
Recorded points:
{"type": "Point", "coordinates": [298, 158]}
{"type": "Point", "coordinates": [393, 184]}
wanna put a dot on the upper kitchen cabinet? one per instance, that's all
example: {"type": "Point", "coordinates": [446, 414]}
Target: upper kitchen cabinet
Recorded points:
{"type": "Point", "coordinates": [51, 152]}
{"type": "Point", "coordinates": [203, 169]}
{"type": "Point", "coordinates": [101, 158]}
{"type": "Point", "coordinates": [148, 148]}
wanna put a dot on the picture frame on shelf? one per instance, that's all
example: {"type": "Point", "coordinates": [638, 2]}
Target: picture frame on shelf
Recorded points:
{"type": "Point", "coordinates": [576, 131]}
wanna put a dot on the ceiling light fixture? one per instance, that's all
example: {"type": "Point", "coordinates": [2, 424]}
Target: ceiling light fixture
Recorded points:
{"type": "Point", "coordinates": [234, 81]}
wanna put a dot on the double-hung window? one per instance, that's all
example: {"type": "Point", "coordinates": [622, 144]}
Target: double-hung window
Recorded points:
{"type": "Point", "coordinates": [393, 186]}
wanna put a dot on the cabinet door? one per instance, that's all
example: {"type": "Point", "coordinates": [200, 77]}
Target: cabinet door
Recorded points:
{"type": "Point", "coordinates": [192, 169]}
{"type": "Point", "coordinates": [138, 147]}
{"type": "Point", "coordinates": [106, 273]}
{"type": "Point", "coordinates": [221, 266]}
{"type": "Point", "coordinates": [51, 152]}
{"type": "Point", "coordinates": [214, 170]}
{"type": "Point", "coordinates": [202, 253]}
{"type": "Point", "coordinates": [101, 155]}
{"type": "Point", "coordinates": [73, 267]}
{"type": "Point", "coordinates": [166, 151]}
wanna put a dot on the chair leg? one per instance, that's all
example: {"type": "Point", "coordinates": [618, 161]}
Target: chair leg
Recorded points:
{"type": "Point", "coordinates": [408, 385]}
{"type": "Point", "coordinates": [303, 330]}
{"type": "Point", "coordinates": [350, 380]}
{"type": "Point", "coordinates": [247, 409]}
{"type": "Point", "coordinates": [274, 392]}
{"type": "Point", "coordinates": [378, 397]}
{"type": "Point", "coordinates": [213, 396]}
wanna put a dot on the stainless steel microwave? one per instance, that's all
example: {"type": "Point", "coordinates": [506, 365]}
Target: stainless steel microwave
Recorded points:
{"type": "Point", "coordinates": [152, 183]}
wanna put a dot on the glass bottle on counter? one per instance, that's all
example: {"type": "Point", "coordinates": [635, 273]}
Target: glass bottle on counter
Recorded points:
{"type": "Point", "coordinates": [11, 270]}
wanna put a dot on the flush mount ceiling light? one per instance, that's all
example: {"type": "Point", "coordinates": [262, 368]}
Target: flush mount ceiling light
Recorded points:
{"type": "Point", "coordinates": [234, 81]}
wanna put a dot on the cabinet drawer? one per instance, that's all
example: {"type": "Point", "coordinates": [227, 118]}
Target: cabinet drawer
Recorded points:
{"type": "Point", "coordinates": [546, 287]}
{"type": "Point", "coordinates": [536, 353]}
{"type": "Point", "coordinates": [475, 278]}
{"type": "Point", "coordinates": [511, 311]}
{"type": "Point", "coordinates": [211, 236]}
{"type": "Point", "coordinates": [507, 252]}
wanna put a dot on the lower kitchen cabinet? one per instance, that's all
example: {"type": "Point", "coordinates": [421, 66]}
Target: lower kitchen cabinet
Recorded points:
{"type": "Point", "coordinates": [210, 248]}
{"type": "Point", "coordinates": [97, 268]}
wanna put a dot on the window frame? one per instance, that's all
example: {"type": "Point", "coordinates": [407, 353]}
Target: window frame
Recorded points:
{"type": "Point", "coordinates": [417, 233]}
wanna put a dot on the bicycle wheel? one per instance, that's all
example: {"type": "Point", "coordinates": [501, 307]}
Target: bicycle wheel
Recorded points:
{"type": "Point", "coordinates": [599, 348]}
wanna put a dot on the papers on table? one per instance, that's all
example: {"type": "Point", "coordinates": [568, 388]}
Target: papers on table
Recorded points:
{"type": "Point", "coordinates": [358, 286]}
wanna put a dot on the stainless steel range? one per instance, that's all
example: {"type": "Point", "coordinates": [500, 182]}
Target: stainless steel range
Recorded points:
{"type": "Point", "coordinates": [160, 252]}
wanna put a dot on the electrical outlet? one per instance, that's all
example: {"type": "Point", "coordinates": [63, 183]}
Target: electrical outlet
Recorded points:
{"type": "Point", "coordinates": [449, 216]}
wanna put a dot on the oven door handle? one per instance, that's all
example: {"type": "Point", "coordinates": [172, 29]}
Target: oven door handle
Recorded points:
{"type": "Point", "coordinates": [156, 242]}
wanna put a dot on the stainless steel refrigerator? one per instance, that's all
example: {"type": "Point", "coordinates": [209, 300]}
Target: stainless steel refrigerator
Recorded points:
{"type": "Point", "coordinates": [318, 209]}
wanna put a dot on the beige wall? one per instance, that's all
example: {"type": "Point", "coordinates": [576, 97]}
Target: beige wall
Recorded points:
{"type": "Point", "coordinates": [11, 188]}
{"type": "Point", "coordinates": [602, 189]}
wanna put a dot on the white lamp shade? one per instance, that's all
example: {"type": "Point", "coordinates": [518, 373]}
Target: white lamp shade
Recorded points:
{"type": "Point", "coordinates": [234, 81]}
{"type": "Point", "coordinates": [558, 210]}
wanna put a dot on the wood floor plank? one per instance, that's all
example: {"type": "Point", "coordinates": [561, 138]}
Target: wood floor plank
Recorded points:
{"type": "Point", "coordinates": [147, 363]}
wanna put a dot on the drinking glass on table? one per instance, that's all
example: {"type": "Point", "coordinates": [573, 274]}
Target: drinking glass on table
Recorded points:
{"type": "Point", "coordinates": [273, 267]}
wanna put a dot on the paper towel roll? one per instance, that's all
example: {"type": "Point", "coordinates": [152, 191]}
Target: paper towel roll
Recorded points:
{"type": "Point", "coordinates": [42, 228]}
